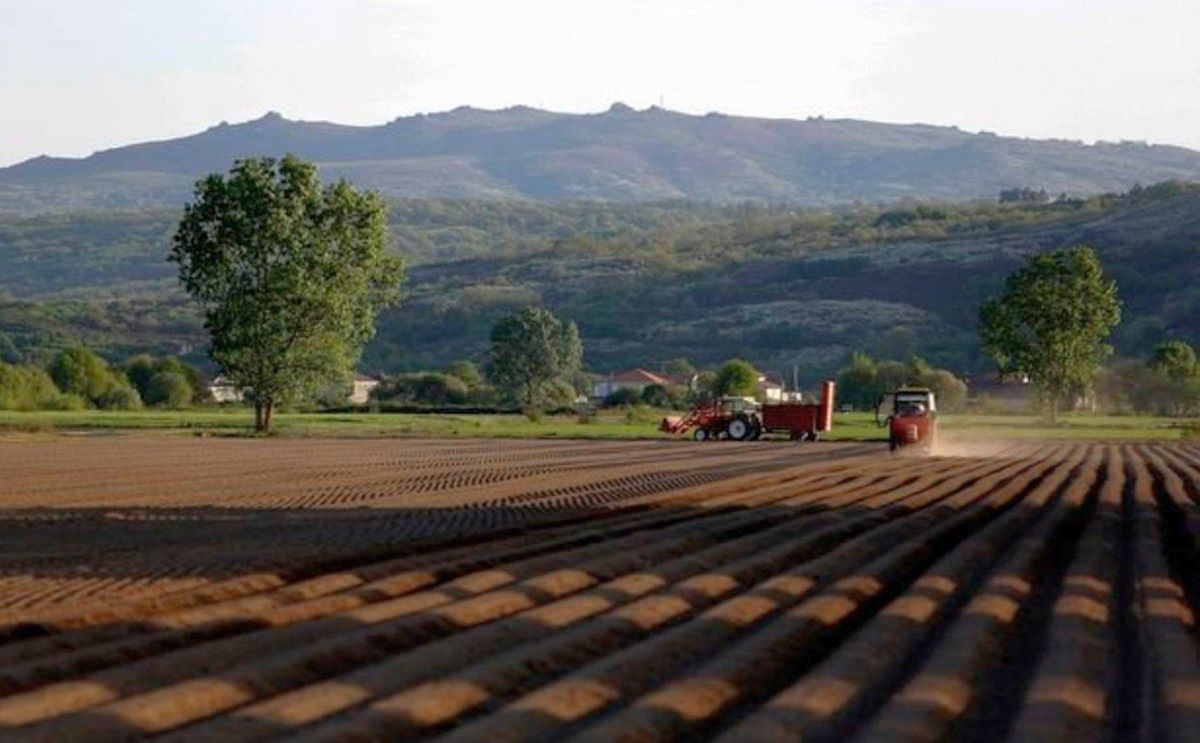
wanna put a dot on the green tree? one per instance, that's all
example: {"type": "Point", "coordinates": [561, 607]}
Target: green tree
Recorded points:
{"type": "Point", "coordinates": [622, 397]}
{"type": "Point", "coordinates": [858, 383]}
{"type": "Point", "coordinates": [164, 382]}
{"type": "Point", "coordinates": [466, 371]}
{"type": "Point", "coordinates": [736, 377]}
{"type": "Point", "coordinates": [78, 371]}
{"type": "Point", "coordinates": [169, 389]}
{"type": "Point", "coordinates": [892, 375]}
{"type": "Point", "coordinates": [1176, 359]}
{"type": "Point", "coordinates": [534, 358]}
{"type": "Point", "coordinates": [1051, 322]}
{"type": "Point", "coordinates": [679, 367]}
{"type": "Point", "coordinates": [705, 382]}
{"type": "Point", "coordinates": [31, 388]}
{"type": "Point", "coordinates": [949, 391]}
{"type": "Point", "coordinates": [289, 275]}
{"type": "Point", "coordinates": [664, 396]}
{"type": "Point", "coordinates": [140, 369]}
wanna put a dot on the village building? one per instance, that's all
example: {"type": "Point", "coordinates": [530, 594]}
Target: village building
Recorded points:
{"type": "Point", "coordinates": [222, 389]}
{"type": "Point", "coordinates": [360, 394]}
{"type": "Point", "coordinates": [633, 379]}
{"type": "Point", "coordinates": [770, 389]}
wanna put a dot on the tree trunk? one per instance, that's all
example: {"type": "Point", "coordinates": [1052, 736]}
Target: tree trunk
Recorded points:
{"type": "Point", "coordinates": [263, 410]}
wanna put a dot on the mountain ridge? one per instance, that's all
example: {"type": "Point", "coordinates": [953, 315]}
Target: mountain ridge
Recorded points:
{"type": "Point", "coordinates": [620, 154]}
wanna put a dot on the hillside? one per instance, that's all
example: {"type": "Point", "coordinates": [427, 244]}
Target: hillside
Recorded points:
{"type": "Point", "coordinates": [617, 155]}
{"type": "Point", "coordinates": [777, 285]}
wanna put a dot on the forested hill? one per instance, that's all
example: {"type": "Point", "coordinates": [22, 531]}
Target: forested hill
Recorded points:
{"type": "Point", "coordinates": [777, 285]}
{"type": "Point", "coordinates": [618, 155]}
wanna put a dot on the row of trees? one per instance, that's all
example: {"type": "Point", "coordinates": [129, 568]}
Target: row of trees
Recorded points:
{"type": "Point", "coordinates": [290, 277]}
{"type": "Point", "coordinates": [864, 380]}
{"type": "Point", "coordinates": [77, 378]}
{"type": "Point", "coordinates": [535, 362]}
{"type": "Point", "coordinates": [1168, 383]}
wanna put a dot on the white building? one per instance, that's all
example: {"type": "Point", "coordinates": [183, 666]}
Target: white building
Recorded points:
{"type": "Point", "coordinates": [222, 389]}
{"type": "Point", "coordinates": [360, 394]}
{"type": "Point", "coordinates": [770, 390]}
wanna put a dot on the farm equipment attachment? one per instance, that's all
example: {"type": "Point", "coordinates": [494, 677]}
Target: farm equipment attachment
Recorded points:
{"type": "Point", "coordinates": [743, 419]}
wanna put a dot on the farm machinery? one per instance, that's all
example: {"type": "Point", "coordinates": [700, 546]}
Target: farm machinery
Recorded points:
{"type": "Point", "coordinates": [744, 419]}
{"type": "Point", "coordinates": [911, 420]}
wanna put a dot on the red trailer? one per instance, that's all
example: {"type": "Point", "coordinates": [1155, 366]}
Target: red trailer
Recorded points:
{"type": "Point", "coordinates": [800, 420]}
{"type": "Point", "coordinates": [740, 419]}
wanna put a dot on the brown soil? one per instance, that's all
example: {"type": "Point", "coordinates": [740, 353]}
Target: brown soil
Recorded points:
{"type": "Point", "coordinates": [201, 589]}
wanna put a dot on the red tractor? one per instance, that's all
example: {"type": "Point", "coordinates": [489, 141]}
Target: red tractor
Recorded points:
{"type": "Point", "coordinates": [743, 419]}
{"type": "Point", "coordinates": [912, 421]}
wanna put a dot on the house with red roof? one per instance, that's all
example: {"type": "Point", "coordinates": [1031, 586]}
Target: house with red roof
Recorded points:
{"type": "Point", "coordinates": [631, 379]}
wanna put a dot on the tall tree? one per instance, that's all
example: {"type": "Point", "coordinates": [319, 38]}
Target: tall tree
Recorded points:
{"type": "Point", "coordinates": [736, 377]}
{"type": "Point", "coordinates": [1052, 321]}
{"type": "Point", "coordinates": [534, 357]}
{"type": "Point", "coordinates": [289, 274]}
{"type": "Point", "coordinates": [858, 383]}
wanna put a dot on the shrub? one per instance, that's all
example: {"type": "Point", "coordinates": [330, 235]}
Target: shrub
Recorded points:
{"type": "Point", "coordinates": [466, 371]}
{"type": "Point", "coordinates": [428, 388]}
{"type": "Point", "coordinates": [622, 397]}
{"type": "Point", "coordinates": [164, 382]}
{"type": "Point", "coordinates": [118, 397]}
{"type": "Point", "coordinates": [664, 396]}
{"type": "Point", "coordinates": [168, 389]}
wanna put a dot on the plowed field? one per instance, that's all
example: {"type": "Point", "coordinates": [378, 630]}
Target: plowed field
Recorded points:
{"type": "Point", "coordinates": [207, 589]}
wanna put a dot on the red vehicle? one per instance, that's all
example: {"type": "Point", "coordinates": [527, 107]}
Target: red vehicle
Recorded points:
{"type": "Point", "coordinates": [912, 421]}
{"type": "Point", "coordinates": [742, 419]}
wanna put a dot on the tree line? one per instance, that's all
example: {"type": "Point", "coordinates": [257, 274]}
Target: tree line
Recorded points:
{"type": "Point", "coordinates": [290, 275]}
{"type": "Point", "coordinates": [77, 379]}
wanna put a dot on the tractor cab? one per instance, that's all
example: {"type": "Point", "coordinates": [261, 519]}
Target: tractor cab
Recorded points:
{"type": "Point", "coordinates": [911, 417]}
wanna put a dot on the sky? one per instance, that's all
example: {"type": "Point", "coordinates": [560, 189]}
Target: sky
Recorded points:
{"type": "Point", "coordinates": [78, 76]}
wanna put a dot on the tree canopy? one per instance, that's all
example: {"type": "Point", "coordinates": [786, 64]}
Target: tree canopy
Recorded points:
{"type": "Point", "coordinates": [534, 358]}
{"type": "Point", "coordinates": [1052, 322]}
{"type": "Point", "coordinates": [1175, 358]}
{"type": "Point", "coordinates": [78, 371]}
{"type": "Point", "coordinates": [736, 377]}
{"type": "Point", "coordinates": [863, 381]}
{"type": "Point", "coordinates": [289, 275]}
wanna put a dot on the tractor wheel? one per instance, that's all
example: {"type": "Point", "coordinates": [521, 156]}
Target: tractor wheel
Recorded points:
{"type": "Point", "coordinates": [739, 428]}
{"type": "Point", "coordinates": [758, 430]}
{"type": "Point", "coordinates": [814, 436]}
{"type": "Point", "coordinates": [700, 435]}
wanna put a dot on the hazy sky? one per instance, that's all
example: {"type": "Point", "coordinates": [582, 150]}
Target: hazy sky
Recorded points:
{"type": "Point", "coordinates": [82, 75]}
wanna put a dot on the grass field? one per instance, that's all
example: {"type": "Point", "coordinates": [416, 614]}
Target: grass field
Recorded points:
{"type": "Point", "coordinates": [615, 424]}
